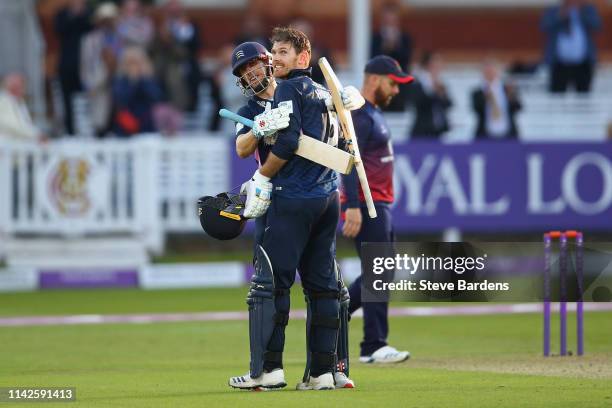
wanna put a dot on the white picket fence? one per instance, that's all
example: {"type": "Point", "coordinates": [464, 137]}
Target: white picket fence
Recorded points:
{"type": "Point", "coordinates": [188, 168]}
{"type": "Point", "coordinates": [141, 188]}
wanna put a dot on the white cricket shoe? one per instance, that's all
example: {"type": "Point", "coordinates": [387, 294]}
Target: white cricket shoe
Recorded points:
{"type": "Point", "coordinates": [266, 381]}
{"type": "Point", "coordinates": [322, 382]}
{"type": "Point", "coordinates": [386, 355]}
{"type": "Point", "coordinates": [342, 381]}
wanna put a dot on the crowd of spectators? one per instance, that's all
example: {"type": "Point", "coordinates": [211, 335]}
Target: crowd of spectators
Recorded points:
{"type": "Point", "coordinates": [570, 56]}
{"type": "Point", "coordinates": [137, 76]}
{"type": "Point", "coordinates": [144, 76]}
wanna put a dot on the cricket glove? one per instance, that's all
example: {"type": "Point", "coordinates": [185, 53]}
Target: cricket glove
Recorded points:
{"type": "Point", "coordinates": [270, 121]}
{"type": "Point", "coordinates": [259, 195]}
{"type": "Point", "coordinates": [351, 99]}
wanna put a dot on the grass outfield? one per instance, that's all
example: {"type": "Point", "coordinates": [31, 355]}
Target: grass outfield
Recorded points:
{"type": "Point", "coordinates": [458, 361]}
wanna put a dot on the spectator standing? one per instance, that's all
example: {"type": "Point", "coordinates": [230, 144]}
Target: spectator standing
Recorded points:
{"type": "Point", "coordinates": [390, 39]}
{"type": "Point", "coordinates": [570, 49]}
{"type": "Point", "coordinates": [496, 104]}
{"type": "Point", "coordinates": [135, 93]}
{"type": "Point", "coordinates": [135, 27]}
{"type": "Point", "coordinates": [71, 24]}
{"type": "Point", "coordinates": [430, 99]}
{"type": "Point", "coordinates": [175, 54]}
{"type": "Point", "coordinates": [100, 51]}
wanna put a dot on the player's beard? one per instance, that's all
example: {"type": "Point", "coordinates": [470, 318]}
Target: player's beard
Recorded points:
{"type": "Point", "coordinates": [284, 69]}
{"type": "Point", "coordinates": [382, 98]}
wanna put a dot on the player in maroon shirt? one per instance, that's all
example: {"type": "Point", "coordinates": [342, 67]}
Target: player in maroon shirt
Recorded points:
{"type": "Point", "coordinates": [382, 76]}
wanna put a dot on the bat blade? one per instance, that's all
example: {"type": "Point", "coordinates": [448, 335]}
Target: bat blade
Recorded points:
{"type": "Point", "coordinates": [309, 148]}
{"type": "Point", "coordinates": [325, 155]}
{"type": "Point", "coordinates": [348, 131]}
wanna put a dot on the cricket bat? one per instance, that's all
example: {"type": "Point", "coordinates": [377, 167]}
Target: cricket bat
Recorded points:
{"type": "Point", "coordinates": [348, 131]}
{"type": "Point", "coordinates": [309, 148]}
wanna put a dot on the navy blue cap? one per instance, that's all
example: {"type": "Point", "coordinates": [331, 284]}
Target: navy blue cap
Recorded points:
{"type": "Point", "coordinates": [385, 65]}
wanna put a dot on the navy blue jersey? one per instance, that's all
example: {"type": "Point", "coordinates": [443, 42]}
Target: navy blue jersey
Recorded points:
{"type": "Point", "coordinates": [254, 107]}
{"type": "Point", "coordinates": [374, 141]}
{"type": "Point", "coordinates": [302, 178]}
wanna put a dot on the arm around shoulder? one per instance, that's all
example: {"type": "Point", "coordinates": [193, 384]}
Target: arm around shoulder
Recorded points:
{"type": "Point", "coordinates": [288, 139]}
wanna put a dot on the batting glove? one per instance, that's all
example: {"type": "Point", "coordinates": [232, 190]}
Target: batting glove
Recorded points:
{"type": "Point", "coordinates": [351, 99]}
{"type": "Point", "coordinates": [269, 122]}
{"type": "Point", "coordinates": [259, 195]}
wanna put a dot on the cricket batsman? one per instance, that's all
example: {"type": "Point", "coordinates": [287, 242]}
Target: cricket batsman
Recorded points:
{"type": "Point", "coordinates": [382, 76]}
{"type": "Point", "coordinates": [275, 255]}
{"type": "Point", "coordinates": [252, 67]}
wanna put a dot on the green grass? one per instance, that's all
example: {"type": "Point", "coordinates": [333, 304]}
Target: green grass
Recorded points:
{"type": "Point", "coordinates": [236, 255]}
{"type": "Point", "coordinates": [111, 301]}
{"type": "Point", "coordinates": [220, 256]}
{"type": "Point", "coordinates": [475, 361]}
{"type": "Point", "coordinates": [121, 301]}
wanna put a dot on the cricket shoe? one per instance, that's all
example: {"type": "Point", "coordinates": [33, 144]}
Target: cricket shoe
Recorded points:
{"type": "Point", "coordinates": [266, 381]}
{"type": "Point", "coordinates": [386, 355]}
{"type": "Point", "coordinates": [322, 382]}
{"type": "Point", "coordinates": [342, 381]}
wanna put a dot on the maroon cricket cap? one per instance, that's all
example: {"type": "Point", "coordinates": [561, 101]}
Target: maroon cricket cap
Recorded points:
{"type": "Point", "coordinates": [385, 65]}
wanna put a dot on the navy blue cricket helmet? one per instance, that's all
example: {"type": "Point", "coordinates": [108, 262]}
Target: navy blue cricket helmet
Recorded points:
{"type": "Point", "coordinates": [242, 55]}
{"type": "Point", "coordinates": [222, 216]}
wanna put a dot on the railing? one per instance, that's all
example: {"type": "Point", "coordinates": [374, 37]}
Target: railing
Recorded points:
{"type": "Point", "coordinates": [143, 187]}
{"type": "Point", "coordinates": [188, 169]}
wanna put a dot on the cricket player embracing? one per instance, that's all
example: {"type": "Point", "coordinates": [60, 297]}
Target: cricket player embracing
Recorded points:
{"type": "Point", "coordinates": [300, 202]}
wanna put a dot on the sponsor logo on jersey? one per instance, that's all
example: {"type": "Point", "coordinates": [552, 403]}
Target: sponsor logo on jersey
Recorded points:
{"type": "Point", "coordinates": [288, 105]}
